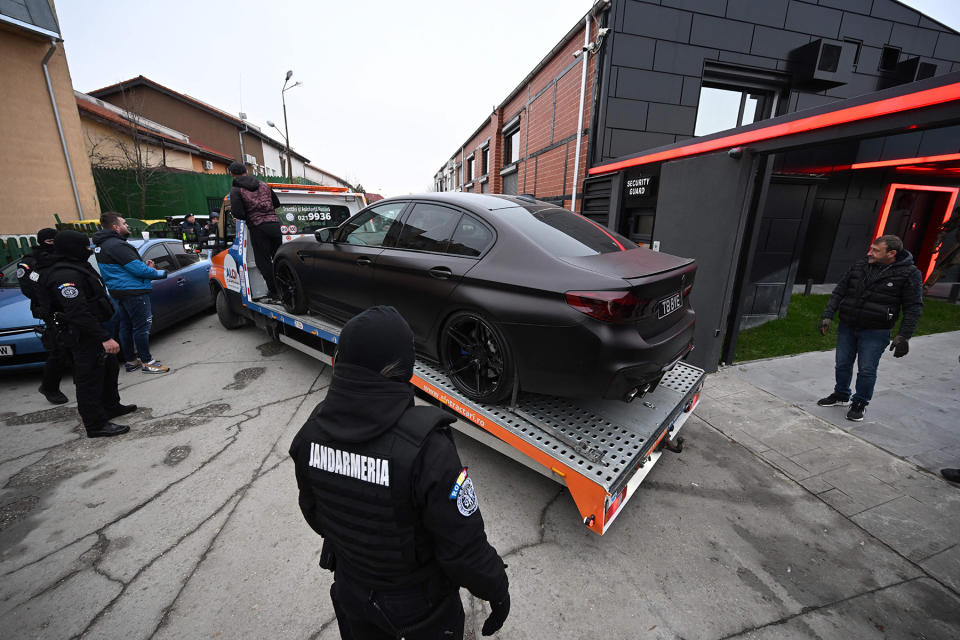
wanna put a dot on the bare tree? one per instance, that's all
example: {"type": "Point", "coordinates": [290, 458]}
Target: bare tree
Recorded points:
{"type": "Point", "coordinates": [136, 151]}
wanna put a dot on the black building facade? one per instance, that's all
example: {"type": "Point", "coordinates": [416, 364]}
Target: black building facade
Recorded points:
{"type": "Point", "coordinates": [858, 115]}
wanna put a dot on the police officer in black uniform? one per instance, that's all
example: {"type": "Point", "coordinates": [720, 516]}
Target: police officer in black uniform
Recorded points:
{"type": "Point", "coordinates": [382, 482]}
{"type": "Point", "coordinates": [28, 274]}
{"type": "Point", "coordinates": [79, 306]}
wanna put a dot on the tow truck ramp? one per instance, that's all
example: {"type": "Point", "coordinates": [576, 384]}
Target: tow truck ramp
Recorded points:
{"type": "Point", "coordinates": [600, 450]}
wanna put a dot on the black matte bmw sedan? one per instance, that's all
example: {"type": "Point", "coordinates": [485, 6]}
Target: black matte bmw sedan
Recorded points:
{"type": "Point", "coordinates": [503, 292]}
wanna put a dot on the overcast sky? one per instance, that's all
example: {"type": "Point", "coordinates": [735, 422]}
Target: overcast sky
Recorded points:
{"type": "Point", "coordinates": [390, 88]}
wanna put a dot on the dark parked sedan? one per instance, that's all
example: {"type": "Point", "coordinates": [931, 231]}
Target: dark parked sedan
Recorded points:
{"type": "Point", "coordinates": [503, 290]}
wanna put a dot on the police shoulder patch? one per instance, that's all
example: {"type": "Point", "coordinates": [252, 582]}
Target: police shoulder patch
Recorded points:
{"type": "Point", "coordinates": [467, 499]}
{"type": "Point", "coordinates": [20, 272]}
{"type": "Point", "coordinates": [69, 290]}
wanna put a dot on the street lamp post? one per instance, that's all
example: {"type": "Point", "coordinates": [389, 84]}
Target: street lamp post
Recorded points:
{"type": "Point", "coordinates": [286, 137]}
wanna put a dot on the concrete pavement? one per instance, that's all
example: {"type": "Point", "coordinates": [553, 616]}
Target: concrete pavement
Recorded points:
{"type": "Point", "coordinates": [772, 523]}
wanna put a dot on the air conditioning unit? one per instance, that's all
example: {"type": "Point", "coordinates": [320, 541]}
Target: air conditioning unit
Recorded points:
{"type": "Point", "coordinates": [822, 64]}
{"type": "Point", "coordinates": [208, 165]}
{"type": "Point", "coordinates": [249, 158]}
{"type": "Point", "coordinates": [909, 70]}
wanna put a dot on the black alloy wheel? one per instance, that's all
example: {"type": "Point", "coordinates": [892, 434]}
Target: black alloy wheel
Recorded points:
{"type": "Point", "coordinates": [476, 357]}
{"type": "Point", "coordinates": [289, 288]}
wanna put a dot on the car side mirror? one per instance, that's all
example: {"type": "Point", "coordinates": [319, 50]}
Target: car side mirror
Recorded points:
{"type": "Point", "coordinates": [325, 234]}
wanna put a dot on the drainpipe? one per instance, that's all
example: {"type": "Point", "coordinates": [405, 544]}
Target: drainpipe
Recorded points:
{"type": "Point", "coordinates": [583, 89]}
{"type": "Point", "coordinates": [56, 115]}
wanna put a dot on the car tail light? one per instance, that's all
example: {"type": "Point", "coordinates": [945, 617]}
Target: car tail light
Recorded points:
{"type": "Point", "coordinates": [608, 306]}
{"type": "Point", "coordinates": [687, 289]}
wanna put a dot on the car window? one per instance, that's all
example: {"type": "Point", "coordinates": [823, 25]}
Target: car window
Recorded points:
{"type": "Point", "coordinates": [566, 234]}
{"type": "Point", "coordinates": [428, 228]}
{"type": "Point", "coordinates": [162, 260]}
{"type": "Point", "coordinates": [183, 258]}
{"type": "Point", "coordinates": [371, 227]}
{"type": "Point", "coordinates": [471, 237]}
{"type": "Point", "coordinates": [8, 276]}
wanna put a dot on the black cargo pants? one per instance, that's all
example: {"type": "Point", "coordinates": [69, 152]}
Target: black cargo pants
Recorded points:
{"type": "Point", "coordinates": [95, 374]}
{"type": "Point", "coordinates": [363, 614]}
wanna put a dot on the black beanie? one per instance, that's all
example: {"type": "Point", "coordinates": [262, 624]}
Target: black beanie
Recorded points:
{"type": "Point", "coordinates": [237, 168]}
{"type": "Point", "coordinates": [379, 339]}
{"type": "Point", "coordinates": [72, 244]}
{"type": "Point", "coordinates": [46, 234]}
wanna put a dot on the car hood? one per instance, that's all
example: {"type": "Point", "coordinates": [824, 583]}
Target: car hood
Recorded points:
{"type": "Point", "coordinates": [15, 309]}
{"type": "Point", "coordinates": [633, 263]}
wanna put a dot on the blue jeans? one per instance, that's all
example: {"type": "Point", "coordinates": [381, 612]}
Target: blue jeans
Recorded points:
{"type": "Point", "coordinates": [865, 346]}
{"type": "Point", "coordinates": [135, 318]}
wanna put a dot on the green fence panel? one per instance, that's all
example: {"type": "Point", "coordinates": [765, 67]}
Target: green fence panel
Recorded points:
{"type": "Point", "coordinates": [166, 194]}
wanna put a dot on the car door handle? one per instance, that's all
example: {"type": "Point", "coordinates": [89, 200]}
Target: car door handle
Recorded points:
{"type": "Point", "coordinates": [181, 282]}
{"type": "Point", "coordinates": [440, 273]}
{"type": "Point", "coordinates": [364, 261]}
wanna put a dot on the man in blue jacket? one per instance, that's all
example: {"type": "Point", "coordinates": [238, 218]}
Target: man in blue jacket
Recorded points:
{"type": "Point", "coordinates": [128, 279]}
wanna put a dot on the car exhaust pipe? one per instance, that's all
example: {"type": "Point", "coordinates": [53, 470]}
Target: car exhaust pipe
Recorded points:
{"type": "Point", "coordinates": [637, 392]}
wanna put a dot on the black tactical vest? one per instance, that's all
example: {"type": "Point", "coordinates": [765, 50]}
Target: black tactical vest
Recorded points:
{"type": "Point", "coordinates": [364, 501]}
{"type": "Point", "coordinates": [92, 288]}
{"type": "Point", "coordinates": [874, 304]}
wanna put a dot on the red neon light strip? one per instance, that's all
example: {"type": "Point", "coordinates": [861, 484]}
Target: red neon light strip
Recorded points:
{"type": "Point", "coordinates": [899, 161]}
{"type": "Point", "coordinates": [918, 100]}
{"type": "Point", "coordinates": [888, 202]}
{"type": "Point", "coordinates": [605, 232]}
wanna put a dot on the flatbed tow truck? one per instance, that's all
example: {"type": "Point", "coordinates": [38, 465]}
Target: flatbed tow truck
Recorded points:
{"type": "Point", "coordinates": [600, 450]}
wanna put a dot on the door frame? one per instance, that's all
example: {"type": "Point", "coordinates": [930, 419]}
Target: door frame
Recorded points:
{"type": "Point", "coordinates": [888, 202]}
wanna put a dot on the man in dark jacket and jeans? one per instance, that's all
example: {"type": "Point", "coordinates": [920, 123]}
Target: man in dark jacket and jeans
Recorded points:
{"type": "Point", "coordinates": [382, 482]}
{"type": "Point", "coordinates": [255, 202]}
{"type": "Point", "coordinates": [870, 296]}
{"type": "Point", "coordinates": [129, 280]}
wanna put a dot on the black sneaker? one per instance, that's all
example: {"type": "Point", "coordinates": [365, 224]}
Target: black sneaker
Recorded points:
{"type": "Point", "coordinates": [856, 411]}
{"type": "Point", "coordinates": [833, 400]}
{"type": "Point", "coordinates": [106, 430]}
{"type": "Point", "coordinates": [54, 397]}
{"type": "Point", "coordinates": [120, 410]}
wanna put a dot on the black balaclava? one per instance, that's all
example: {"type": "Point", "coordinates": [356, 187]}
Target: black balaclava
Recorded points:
{"type": "Point", "coordinates": [371, 387]}
{"type": "Point", "coordinates": [73, 245]}
{"type": "Point", "coordinates": [46, 234]}
{"type": "Point", "coordinates": [379, 339]}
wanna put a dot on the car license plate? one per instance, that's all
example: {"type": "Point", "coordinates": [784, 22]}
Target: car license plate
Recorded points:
{"type": "Point", "coordinates": [6, 350]}
{"type": "Point", "coordinates": [668, 305]}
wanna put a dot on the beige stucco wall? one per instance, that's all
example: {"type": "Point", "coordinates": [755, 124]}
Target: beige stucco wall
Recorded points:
{"type": "Point", "coordinates": [34, 181]}
{"type": "Point", "coordinates": [105, 145]}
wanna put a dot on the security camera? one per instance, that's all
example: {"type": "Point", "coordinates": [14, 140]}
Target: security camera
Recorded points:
{"type": "Point", "coordinates": [735, 152]}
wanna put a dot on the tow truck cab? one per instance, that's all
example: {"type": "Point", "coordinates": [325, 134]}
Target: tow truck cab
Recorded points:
{"type": "Point", "coordinates": [234, 275]}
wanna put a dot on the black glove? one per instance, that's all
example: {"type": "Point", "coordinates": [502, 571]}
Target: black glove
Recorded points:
{"type": "Point", "coordinates": [900, 347]}
{"type": "Point", "coordinates": [498, 614]}
{"type": "Point", "coordinates": [824, 325]}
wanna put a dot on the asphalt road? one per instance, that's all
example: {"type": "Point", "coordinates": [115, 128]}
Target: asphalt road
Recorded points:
{"type": "Point", "coordinates": [188, 526]}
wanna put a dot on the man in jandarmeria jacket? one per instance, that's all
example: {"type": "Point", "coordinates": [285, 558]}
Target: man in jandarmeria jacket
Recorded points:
{"type": "Point", "coordinates": [73, 295]}
{"type": "Point", "coordinates": [382, 482]}
{"type": "Point", "coordinates": [870, 297]}
{"type": "Point", "coordinates": [28, 273]}
{"type": "Point", "coordinates": [129, 280]}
